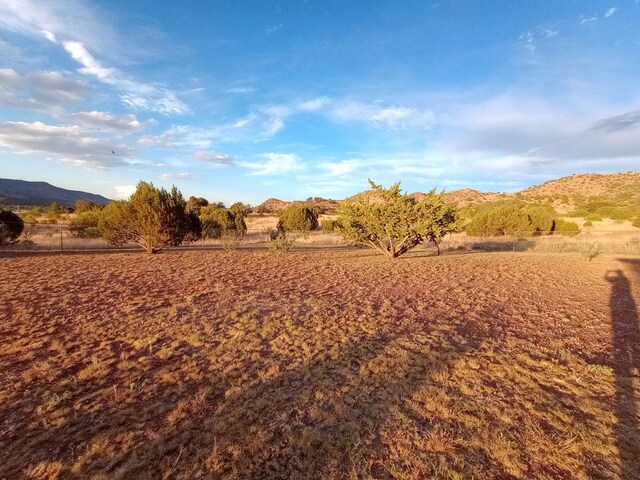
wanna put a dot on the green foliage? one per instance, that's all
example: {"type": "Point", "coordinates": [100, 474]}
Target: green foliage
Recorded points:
{"type": "Point", "coordinates": [280, 242]}
{"type": "Point", "coordinates": [11, 227]}
{"type": "Point", "coordinates": [329, 225]}
{"type": "Point", "coordinates": [195, 204]}
{"type": "Point", "coordinates": [299, 218]}
{"type": "Point", "coordinates": [85, 225]}
{"type": "Point", "coordinates": [509, 219]}
{"type": "Point", "coordinates": [84, 206]}
{"type": "Point", "coordinates": [395, 222]}
{"type": "Point", "coordinates": [563, 227]}
{"type": "Point", "coordinates": [218, 221]}
{"type": "Point", "coordinates": [153, 218]}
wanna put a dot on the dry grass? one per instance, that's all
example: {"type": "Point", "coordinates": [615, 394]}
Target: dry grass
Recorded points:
{"type": "Point", "coordinates": [318, 365]}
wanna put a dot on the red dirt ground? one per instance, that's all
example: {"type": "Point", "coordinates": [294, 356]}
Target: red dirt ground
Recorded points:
{"type": "Point", "coordinates": [318, 365]}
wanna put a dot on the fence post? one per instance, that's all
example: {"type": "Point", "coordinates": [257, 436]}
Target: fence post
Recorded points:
{"type": "Point", "coordinates": [61, 245]}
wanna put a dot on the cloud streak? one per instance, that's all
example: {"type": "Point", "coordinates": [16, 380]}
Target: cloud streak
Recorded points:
{"type": "Point", "coordinates": [138, 96]}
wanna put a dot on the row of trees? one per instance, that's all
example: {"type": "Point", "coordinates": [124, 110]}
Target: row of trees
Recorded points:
{"type": "Point", "coordinates": [385, 219]}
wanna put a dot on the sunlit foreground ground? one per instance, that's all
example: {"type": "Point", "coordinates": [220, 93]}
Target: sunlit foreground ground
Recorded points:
{"type": "Point", "coordinates": [319, 365]}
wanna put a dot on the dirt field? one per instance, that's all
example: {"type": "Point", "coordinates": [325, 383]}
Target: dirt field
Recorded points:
{"type": "Point", "coordinates": [337, 364]}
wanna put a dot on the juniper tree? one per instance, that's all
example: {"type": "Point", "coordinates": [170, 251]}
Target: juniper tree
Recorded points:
{"type": "Point", "coordinates": [394, 222]}
{"type": "Point", "coordinates": [153, 218]}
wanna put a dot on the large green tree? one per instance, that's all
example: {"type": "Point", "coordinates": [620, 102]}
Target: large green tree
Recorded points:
{"type": "Point", "coordinates": [394, 222]}
{"type": "Point", "coordinates": [153, 218]}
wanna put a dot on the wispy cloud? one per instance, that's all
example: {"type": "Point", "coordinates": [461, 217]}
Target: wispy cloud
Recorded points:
{"type": "Point", "coordinates": [139, 96]}
{"type": "Point", "coordinates": [176, 176]}
{"type": "Point", "coordinates": [529, 40]}
{"type": "Point", "coordinates": [107, 121]}
{"type": "Point", "coordinates": [610, 12]}
{"type": "Point", "coordinates": [584, 20]}
{"type": "Point", "coordinates": [272, 29]}
{"type": "Point", "coordinates": [275, 164]}
{"type": "Point", "coordinates": [217, 158]}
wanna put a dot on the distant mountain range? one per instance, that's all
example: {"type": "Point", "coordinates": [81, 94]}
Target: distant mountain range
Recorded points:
{"type": "Point", "coordinates": [20, 192]}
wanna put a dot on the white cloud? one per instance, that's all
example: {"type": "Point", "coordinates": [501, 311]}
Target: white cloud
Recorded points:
{"type": "Point", "coordinates": [610, 12]}
{"type": "Point", "coordinates": [176, 176]}
{"type": "Point", "coordinates": [49, 36]}
{"type": "Point", "coordinates": [391, 117]}
{"type": "Point", "coordinates": [214, 157]}
{"type": "Point", "coordinates": [109, 121]}
{"type": "Point", "coordinates": [337, 169]}
{"type": "Point", "coordinates": [584, 20]}
{"type": "Point", "coordinates": [514, 133]}
{"type": "Point", "coordinates": [59, 19]}
{"type": "Point", "coordinates": [275, 164]}
{"type": "Point", "coordinates": [68, 143]}
{"type": "Point", "coordinates": [123, 192]}
{"type": "Point", "coordinates": [40, 91]}
{"type": "Point", "coordinates": [139, 96]}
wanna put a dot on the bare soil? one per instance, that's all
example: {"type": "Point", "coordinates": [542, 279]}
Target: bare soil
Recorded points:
{"type": "Point", "coordinates": [319, 365]}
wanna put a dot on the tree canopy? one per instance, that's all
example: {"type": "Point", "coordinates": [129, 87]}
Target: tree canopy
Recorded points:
{"type": "Point", "coordinates": [394, 222]}
{"type": "Point", "coordinates": [11, 226]}
{"type": "Point", "coordinates": [153, 218]}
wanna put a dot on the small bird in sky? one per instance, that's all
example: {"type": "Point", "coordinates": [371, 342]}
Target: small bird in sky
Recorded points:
{"type": "Point", "coordinates": [113, 152]}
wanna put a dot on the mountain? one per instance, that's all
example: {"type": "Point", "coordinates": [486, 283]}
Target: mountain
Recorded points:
{"type": "Point", "coordinates": [20, 192]}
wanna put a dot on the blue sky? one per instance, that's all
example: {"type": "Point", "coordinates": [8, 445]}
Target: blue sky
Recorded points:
{"type": "Point", "coordinates": [245, 100]}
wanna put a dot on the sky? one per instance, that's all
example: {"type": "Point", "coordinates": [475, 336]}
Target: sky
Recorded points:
{"type": "Point", "coordinates": [242, 100]}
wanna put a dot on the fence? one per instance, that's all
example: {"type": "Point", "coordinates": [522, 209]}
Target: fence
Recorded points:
{"type": "Point", "coordinates": [59, 238]}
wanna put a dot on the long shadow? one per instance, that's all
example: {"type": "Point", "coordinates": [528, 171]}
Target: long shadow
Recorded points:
{"type": "Point", "coordinates": [626, 351]}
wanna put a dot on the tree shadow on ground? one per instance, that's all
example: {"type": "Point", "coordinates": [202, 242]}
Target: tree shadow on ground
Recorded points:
{"type": "Point", "coordinates": [626, 351]}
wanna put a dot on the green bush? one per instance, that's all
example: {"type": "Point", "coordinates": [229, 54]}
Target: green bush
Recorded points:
{"type": "Point", "coordinates": [218, 221]}
{"type": "Point", "coordinates": [329, 225]}
{"type": "Point", "coordinates": [298, 218]}
{"type": "Point", "coordinates": [11, 227]}
{"type": "Point", "coordinates": [563, 227]}
{"type": "Point", "coordinates": [280, 242]}
{"type": "Point", "coordinates": [85, 225]}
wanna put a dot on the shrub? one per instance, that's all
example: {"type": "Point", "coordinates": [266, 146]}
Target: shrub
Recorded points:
{"type": "Point", "coordinates": [593, 217]}
{"type": "Point", "coordinates": [329, 225]}
{"type": "Point", "coordinates": [85, 225]}
{"type": "Point", "coordinates": [563, 227]}
{"type": "Point", "coordinates": [395, 222]}
{"type": "Point", "coordinates": [299, 218]}
{"type": "Point", "coordinates": [85, 206]}
{"type": "Point", "coordinates": [153, 218]}
{"type": "Point", "coordinates": [280, 242]}
{"type": "Point", "coordinates": [587, 224]}
{"type": "Point", "coordinates": [218, 221]}
{"type": "Point", "coordinates": [11, 227]}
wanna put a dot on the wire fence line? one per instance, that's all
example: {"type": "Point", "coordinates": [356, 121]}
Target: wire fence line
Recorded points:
{"type": "Point", "coordinates": [61, 238]}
